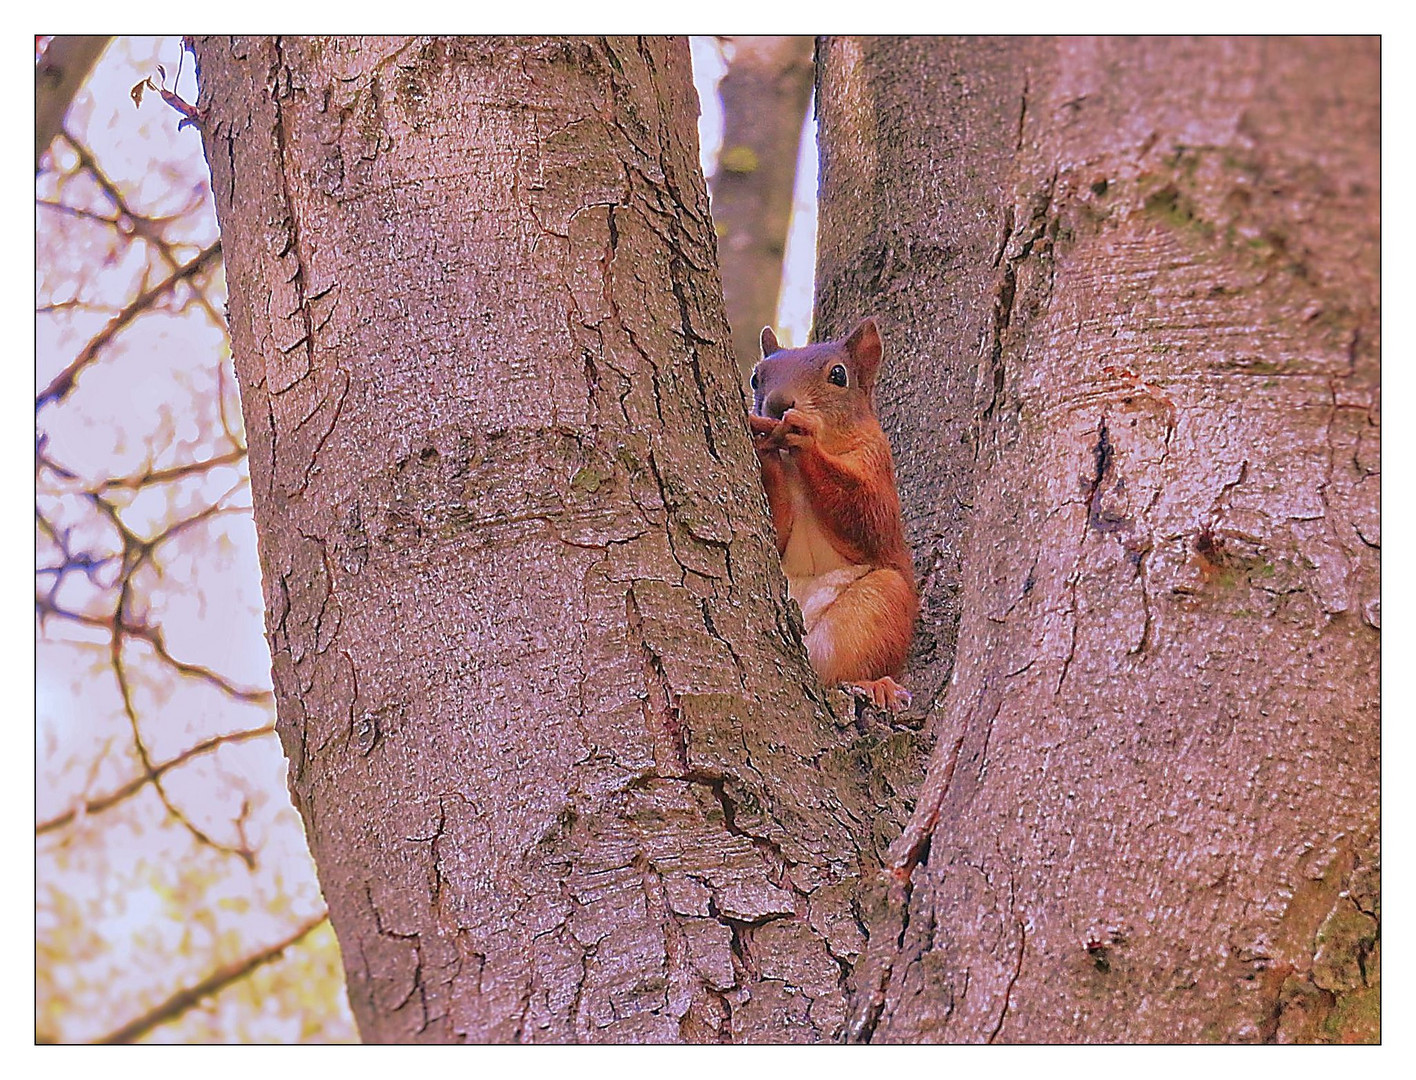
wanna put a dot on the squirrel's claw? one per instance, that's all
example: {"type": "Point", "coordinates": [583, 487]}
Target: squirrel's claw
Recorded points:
{"type": "Point", "coordinates": [795, 428]}
{"type": "Point", "coordinates": [766, 434]}
{"type": "Point", "coordinates": [883, 693]}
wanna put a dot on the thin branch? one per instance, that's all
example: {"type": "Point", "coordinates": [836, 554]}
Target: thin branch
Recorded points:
{"type": "Point", "coordinates": [133, 786]}
{"type": "Point", "coordinates": [148, 228]}
{"type": "Point", "coordinates": [119, 629]}
{"type": "Point", "coordinates": [78, 212]}
{"type": "Point", "coordinates": [153, 637]}
{"type": "Point", "coordinates": [175, 472]}
{"type": "Point", "coordinates": [43, 460]}
{"type": "Point", "coordinates": [218, 980]}
{"type": "Point", "coordinates": [145, 759]}
{"type": "Point", "coordinates": [145, 548]}
{"type": "Point", "coordinates": [63, 383]}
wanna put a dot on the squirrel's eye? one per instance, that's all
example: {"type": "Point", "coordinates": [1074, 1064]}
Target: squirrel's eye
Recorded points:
{"type": "Point", "coordinates": [838, 376]}
{"type": "Point", "coordinates": [754, 380]}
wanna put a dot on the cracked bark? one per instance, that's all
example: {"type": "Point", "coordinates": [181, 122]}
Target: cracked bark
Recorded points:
{"type": "Point", "coordinates": [563, 769]}
{"type": "Point", "coordinates": [1131, 290]}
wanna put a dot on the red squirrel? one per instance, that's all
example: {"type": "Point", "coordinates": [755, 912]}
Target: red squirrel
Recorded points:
{"type": "Point", "coordinates": [830, 484]}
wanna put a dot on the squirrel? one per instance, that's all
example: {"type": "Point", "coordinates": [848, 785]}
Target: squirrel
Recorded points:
{"type": "Point", "coordinates": [830, 485]}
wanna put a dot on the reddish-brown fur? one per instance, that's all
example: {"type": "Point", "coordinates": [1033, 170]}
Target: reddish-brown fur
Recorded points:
{"type": "Point", "coordinates": [830, 483]}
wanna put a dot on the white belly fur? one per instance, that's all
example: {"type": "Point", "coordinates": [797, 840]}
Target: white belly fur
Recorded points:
{"type": "Point", "coordinates": [816, 572]}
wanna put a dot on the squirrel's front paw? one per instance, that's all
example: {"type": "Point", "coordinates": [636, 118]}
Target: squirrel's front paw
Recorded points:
{"type": "Point", "coordinates": [761, 426]}
{"type": "Point", "coordinates": [764, 437]}
{"type": "Point", "coordinates": [797, 428]}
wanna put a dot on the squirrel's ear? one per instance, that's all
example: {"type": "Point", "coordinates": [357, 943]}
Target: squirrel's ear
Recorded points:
{"type": "Point", "coordinates": [864, 347]}
{"type": "Point", "coordinates": [769, 342]}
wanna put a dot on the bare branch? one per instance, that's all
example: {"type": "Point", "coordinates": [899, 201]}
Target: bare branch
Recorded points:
{"type": "Point", "coordinates": [152, 635]}
{"type": "Point", "coordinates": [131, 223]}
{"type": "Point", "coordinates": [119, 628]}
{"type": "Point", "coordinates": [149, 772]}
{"type": "Point", "coordinates": [63, 383]}
{"type": "Point", "coordinates": [175, 472]}
{"type": "Point", "coordinates": [78, 212]}
{"type": "Point", "coordinates": [133, 786]}
{"type": "Point", "coordinates": [58, 75]}
{"type": "Point", "coordinates": [218, 980]}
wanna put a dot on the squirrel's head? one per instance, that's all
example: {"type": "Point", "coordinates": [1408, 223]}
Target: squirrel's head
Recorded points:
{"type": "Point", "coordinates": [833, 379]}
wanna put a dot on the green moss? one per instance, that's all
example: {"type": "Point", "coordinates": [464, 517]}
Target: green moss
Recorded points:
{"type": "Point", "coordinates": [1343, 941]}
{"type": "Point", "coordinates": [410, 91]}
{"type": "Point", "coordinates": [895, 750]}
{"type": "Point", "coordinates": [1185, 159]}
{"type": "Point", "coordinates": [1226, 578]}
{"type": "Point", "coordinates": [646, 813]}
{"type": "Point", "coordinates": [1177, 211]}
{"type": "Point", "coordinates": [748, 806]}
{"type": "Point", "coordinates": [1356, 1017]}
{"type": "Point", "coordinates": [588, 480]}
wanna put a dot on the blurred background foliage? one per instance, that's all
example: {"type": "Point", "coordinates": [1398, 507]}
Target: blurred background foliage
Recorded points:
{"type": "Point", "coordinates": [168, 858]}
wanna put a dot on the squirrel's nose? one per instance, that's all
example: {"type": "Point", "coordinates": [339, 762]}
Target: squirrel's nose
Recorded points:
{"type": "Point", "coordinates": [776, 404]}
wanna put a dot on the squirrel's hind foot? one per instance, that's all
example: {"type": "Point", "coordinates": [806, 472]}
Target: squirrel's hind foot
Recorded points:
{"type": "Point", "coordinates": [883, 693]}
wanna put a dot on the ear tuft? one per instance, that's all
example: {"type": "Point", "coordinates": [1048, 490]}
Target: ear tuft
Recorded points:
{"type": "Point", "coordinates": [769, 342]}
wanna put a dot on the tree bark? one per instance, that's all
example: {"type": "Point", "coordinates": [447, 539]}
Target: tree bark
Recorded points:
{"type": "Point", "coordinates": [765, 94]}
{"type": "Point", "coordinates": [916, 136]}
{"type": "Point", "coordinates": [1135, 285]}
{"type": "Point", "coordinates": [562, 767]}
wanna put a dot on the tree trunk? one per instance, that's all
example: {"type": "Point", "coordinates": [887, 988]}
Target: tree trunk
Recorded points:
{"type": "Point", "coordinates": [562, 767]}
{"type": "Point", "coordinates": [765, 94]}
{"type": "Point", "coordinates": [1134, 288]}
